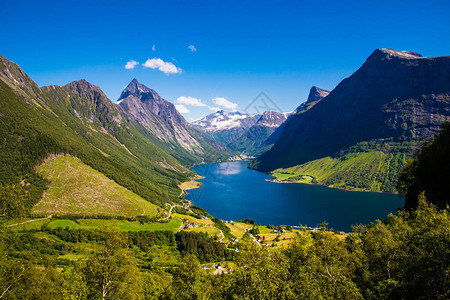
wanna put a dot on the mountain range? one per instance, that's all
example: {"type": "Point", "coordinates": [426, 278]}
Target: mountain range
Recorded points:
{"type": "Point", "coordinates": [241, 132]}
{"type": "Point", "coordinates": [371, 123]}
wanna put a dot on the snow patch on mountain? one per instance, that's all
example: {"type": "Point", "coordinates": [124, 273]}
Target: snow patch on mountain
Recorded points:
{"type": "Point", "coordinates": [222, 120]}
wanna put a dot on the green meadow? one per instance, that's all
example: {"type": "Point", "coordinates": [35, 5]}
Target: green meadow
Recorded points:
{"type": "Point", "coordinates": [76, 188]}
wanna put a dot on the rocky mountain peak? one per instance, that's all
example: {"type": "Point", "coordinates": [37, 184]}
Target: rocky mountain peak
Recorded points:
{"type": "Point", "coordinates": [84, 88]}
{"type": "Point", "coordinates": [140, 91]}
{"type": "Point", "coordinates": [135, 87]}
{"type": "Point", "coordinates": [94, 104]}
{"type": "Point", "coordinates": [316, 94]}
{"type": "Point", "coordinates": [388, 54]}
{"type": "Point", "coordinates": [159, 117]}
{"type": "Point", "coordinates": [15, 77]}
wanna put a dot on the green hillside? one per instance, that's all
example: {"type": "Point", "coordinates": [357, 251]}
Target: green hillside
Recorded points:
{"type": "Point", "coordinates": [362, 168]}
{"type": "Point", "coordinates": [76, 188]}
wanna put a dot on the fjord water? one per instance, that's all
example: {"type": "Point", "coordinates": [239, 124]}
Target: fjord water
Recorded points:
{"type": "Point", "coordinates": [231, 191]}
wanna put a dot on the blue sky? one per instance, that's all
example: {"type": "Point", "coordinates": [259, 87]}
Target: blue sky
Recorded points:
{"type": "Point", "coordinates": [242, 47]}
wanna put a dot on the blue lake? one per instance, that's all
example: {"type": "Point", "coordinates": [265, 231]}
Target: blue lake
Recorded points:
{"type": "Point", "coordinates": [231, 191]}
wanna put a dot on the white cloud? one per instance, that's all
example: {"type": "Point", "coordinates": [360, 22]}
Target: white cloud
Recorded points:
{"type": "Point", "coordinates": [190, 101]}
{"type": "Point", "coordinates": [153, 47]}
{"type": "Point", "coordinates": [165, 67]}
{"type": "Point", "coordinates": [192, 48]}
{"type": "Point", "coordinates": [131, 64]}
{"type": "Point", "coordinates": [220, 101]}
{"type": "Point", "coordinates": [214, 108]}
{"type": "Point", "coordinates": [182, 109]}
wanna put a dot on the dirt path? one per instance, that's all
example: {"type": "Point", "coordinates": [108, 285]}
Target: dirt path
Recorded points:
{"type": "Point", "coordinates": [29, 221]}
{"type": "Point", "coordinates": [170, 212]}
{"type": "Point", "coordinates": [223, 236]}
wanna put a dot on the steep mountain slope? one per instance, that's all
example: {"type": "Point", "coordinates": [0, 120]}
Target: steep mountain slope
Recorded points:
{"type": "Point", "coordinates": [76, 119]}
{"type": "Point", "coordinates": [254, 140]}
{"type": "Point", "coordinates": [159, 120]}
{"type": "Point", "coordinates": [393, 101]}
{"type": "Point", "coordinates": [225, 127]}
{"type": "Point", "coordinates": [95, 105]}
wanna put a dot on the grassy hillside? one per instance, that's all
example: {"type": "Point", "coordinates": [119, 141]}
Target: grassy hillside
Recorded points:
{"type": "Point", "coordinates": [76, 188]}
{"type": "Point", "coordinates": [372, 170]}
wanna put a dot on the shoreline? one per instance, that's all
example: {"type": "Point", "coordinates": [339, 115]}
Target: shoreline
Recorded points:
{"type": "Point", "coordinates": [330, 187]}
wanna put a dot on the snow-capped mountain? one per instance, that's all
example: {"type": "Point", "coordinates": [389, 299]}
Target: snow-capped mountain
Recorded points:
{"type": "Point", "coordinates": [272, 119]}
{"type": "Point", "coordinates": [223, 120]}
{"type": "Point", "coordinates": [241, 132]}
{"type": "Point", "coordinates": [225, 127]}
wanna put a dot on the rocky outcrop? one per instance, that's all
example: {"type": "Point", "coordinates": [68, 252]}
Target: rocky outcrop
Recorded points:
{"type": "Point", "coordinates": [316, 94]}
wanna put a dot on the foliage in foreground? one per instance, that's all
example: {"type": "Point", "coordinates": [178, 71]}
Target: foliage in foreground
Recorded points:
{"type": "Point", "coordinates": [429, 172]}
{"type": "Point", "coordinates": [407, 256]}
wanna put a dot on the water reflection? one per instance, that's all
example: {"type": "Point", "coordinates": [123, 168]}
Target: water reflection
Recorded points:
{"type": "Point", "coordinates": [229, 168]}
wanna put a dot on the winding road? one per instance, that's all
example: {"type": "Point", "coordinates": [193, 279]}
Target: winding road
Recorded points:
{"type": "Point", "coordinates": [29, 221]}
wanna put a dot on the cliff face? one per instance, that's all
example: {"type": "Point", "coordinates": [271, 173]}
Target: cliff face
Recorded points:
{"type": "Point", "coordinates": [394, 95]}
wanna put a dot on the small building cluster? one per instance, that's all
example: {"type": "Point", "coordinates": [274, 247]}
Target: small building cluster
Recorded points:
{"type": "Point", "coordinates": [260, 240]}
{"type": "Point", "coordinates": [188, 225]}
